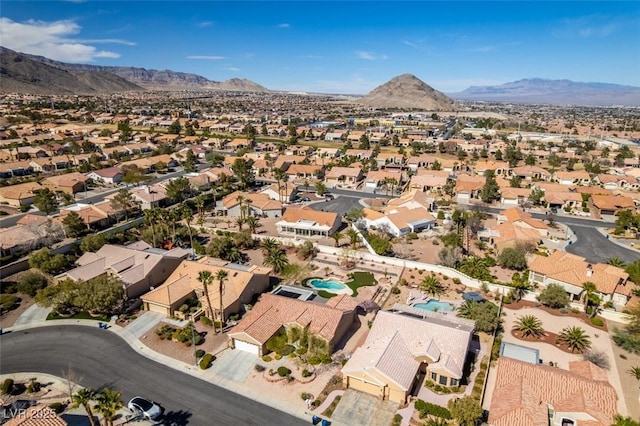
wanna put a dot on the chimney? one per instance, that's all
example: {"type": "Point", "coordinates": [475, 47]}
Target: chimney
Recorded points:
{"type": "Point", "coordinates": [589, 270]}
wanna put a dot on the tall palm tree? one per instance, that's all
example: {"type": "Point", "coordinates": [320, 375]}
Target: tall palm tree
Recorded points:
{"type": "Point", "coordinates": [206, 279]}
{"type": "Point", "coordinates": [199, 202]}
{"type": "Point", "coordinates": [520, 287]}
{"type": "Point", "coordinates": [252, 223]}
{"type": "Point", "coordinates": [109, 403]}
{"type": "Point", "coordinates": [465, 310]}
{"type": "Point", "coordinates": [84, 397]}
{"type": "Point", "coordinates": [268, 245]}
{"type": "Point", "coordinates": [337, 236]}
{"type": "Point", "coordinates": [278, 175]}
{"type": "Point", "coordinates": [240, 222]}
{"type": "Point", "coordinates": [529, 325]}
{"type": "Point", "coordinates": [150, 217]}
{"type": "Point", "coordinates": [221, 275]}
{"type": "Point", "coordinates": [240, 199]}
{"type": "Point", "coordinates": [277, 259]}
{"type": "Point", "coordinates": [354, 237]}
{"type": "Point", "coordinates": [617, 262]}
{"type": "Point", "coordinates": [575, 338]}
{"type": "Point", "coordinates": [432, 285]}
{"type": "Point", "coordinates": [187, 214]}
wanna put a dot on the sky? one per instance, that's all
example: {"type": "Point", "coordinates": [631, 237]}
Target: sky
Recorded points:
{"type": "Point", "coordinates": [339, 46]}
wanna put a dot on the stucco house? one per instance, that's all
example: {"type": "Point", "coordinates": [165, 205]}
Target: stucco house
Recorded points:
{"type": "Point", "coordinates": [273, 314]}
{"type": "Point", "coordinates": [110, 175]}
{"type": "Point", "coordinates": [255, 204]}
{"type": "Point", "coordinates": [403, 343]}
{"type": "Point", "coordinates": [306, 222]}
{"type": "Point", "coordinates": [239, 287]}
{"type": "Point", "coordinates": [22, 194]}
{"type": "Point", "coordinates": [572, 271]}
{"type": "Point", "coordinates": [138, 265]}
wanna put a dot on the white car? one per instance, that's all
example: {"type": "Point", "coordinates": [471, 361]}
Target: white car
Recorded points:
{"type": "Point", "coordinates": [144, 407]}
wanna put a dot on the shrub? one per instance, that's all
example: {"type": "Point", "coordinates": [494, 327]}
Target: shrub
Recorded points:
{"type": "Point", "coordinates": [206, 361]}
{"type": "Point", "coordinates": [287, 349]}
{"type": "Point", "coordinates": [30, 283]}
{"type": "Point", "coordinates": [278, 357]}
{"type": "Point", "coordinates": [33, 386]}
{"type": "Point", "coordinates": [426, 408]}
{"type": "Point", "coordinates": [395, 290]}
{"type": "Point", "coordinates": [597, 322]}
{"type": "Point", "coordinates": [314, 360]}
{"type": "Point", "coordinates": [267, 358]}
{"type": "Point", "coordinates": [206, 321]}
{"type": "Point", "coordinates": [9, 302]}
{"type": "Point", "coordinates": [7, 386]}
{"type": "Point", "coordinates": [306, 373]}
{"type": "Point", "coordinates": [554, 296]}
{"type": "Point", "coordinates": [57, 407]}
{"type": "Point", "coordinates": [259, 368]}
{"type": "Point", "coordinates": [305, 396]}
{"type": "Point", "coordinates": [199, 353]}
{"type": "Point", "coordinates": [397, 420]}
{"type": "Point", "coordinates": [301, 351]}
{"type": "Point", "coordinates": [457, 281]}
{"type": "Point", "coordinates": [283, 371]}
{"type": "Point", "coordinates": [412, 236]}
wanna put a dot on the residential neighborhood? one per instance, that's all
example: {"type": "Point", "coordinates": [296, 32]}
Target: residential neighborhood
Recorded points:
{"type": "Point", "coordinates": [363, 267]}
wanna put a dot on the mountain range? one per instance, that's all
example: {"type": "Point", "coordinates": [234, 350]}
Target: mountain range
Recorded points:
{"type": "Point", "coordinates": [26, 73]}
{"type": "Point", "coordinates": [555, 92]}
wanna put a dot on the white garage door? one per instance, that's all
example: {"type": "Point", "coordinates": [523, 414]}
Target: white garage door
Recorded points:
{"type": "Point", "coordinates": [247, 347]}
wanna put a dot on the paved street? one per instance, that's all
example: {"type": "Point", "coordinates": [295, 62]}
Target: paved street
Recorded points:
{"type": "Point", "coordinates": [341, 204]}
{"type": "Point", "coordinates": [103, 359]}
{"type": "Point", "coordinates": [595, 247]}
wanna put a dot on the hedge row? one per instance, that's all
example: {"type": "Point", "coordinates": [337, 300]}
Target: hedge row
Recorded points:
{"type": "Point", "coordinates": [426, 408]}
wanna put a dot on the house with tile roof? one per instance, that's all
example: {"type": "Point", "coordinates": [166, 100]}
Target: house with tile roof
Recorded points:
{"type": "Point", "coordinates": [343, 176]}
{"type": "Point", "coordinates": [411, 212]}
{"type": "Point", "coordinates": [110, 175]}
{"type": "Point", "coordinates": [240, 287]}
{"type": "Point", "coordinates": [508, 235]}
{"type": "Point", "coordinates": [526, 394]}
{"type": "Point", "coordinates": [519, 217]}
{"type": "Point", "coordinates": [138, 265]}
{"type": "Point", "coordinates": [255, 204]}
{"type": "Point", "coordinates": [531, 173]}
{"type": "Point", "coordinates": [468, 187]}
{"type": "Point", "coordinates": [274, 314]}
{"type": "Point", "coordinates": [572, 271]}
{"type": "Point", "coordinates": [306, 222]}
{"type": "Point", "coordinates": [402, 344]}
{"type": "Point", "coordinates": [22, 194]}
{"type": "Point", "coordinates": [37, 415]}
{"type": "Point", "coordinates": [610, 204]}
{"type": "Point", "coordinates": [69, 183]}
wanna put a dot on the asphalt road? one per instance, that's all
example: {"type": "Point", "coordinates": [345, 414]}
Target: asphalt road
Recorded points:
{"type": "Point", "coordinates": [341, 205]}
{"type": "Point", "coordinates": [103, 359]}
{"type": "Point", "coordinates": [595, 247]}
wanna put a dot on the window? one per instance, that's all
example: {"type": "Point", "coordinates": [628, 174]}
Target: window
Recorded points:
{"type": "Point", "coordinates": [434, 376]}
{"type": "Point", "coordinates": [454, 382]}
{"type": "Point", "coordinates": [443, 380]}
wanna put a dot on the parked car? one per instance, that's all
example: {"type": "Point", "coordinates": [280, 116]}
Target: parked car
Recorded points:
{"type": "Point", "coordinates": [145, 408]}
{"type": "Point", "coordinates": [328, 197]}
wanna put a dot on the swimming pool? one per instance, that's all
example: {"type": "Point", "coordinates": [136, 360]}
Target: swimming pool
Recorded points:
{"type": "Point", "coordinates": [434, 306]}
{"type": "Point", "coordinates": [331, 285]}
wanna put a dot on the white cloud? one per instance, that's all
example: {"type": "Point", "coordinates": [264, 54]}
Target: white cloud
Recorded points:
{"type": "Point", "coordinates": [233, 69]}
{"type": "Point", "coordinates": [108, 41]}
{"type": "Point", "coordinates": [285, 25]}
{"type": "Point", "coordinates": [410, 43]}
{"type": "Point", "coordinates": [370, 56]}
{"type": "Point", "coordinates": [53, 40]}
{"type": "Point", "coordinates": [206, 57]}
{"type": "Point", "coordinates": [205, 24]}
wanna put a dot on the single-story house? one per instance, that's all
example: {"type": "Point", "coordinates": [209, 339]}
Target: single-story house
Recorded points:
{"type": "Point", "coordinates": [273, 313]}
{"type": "Point", "coordinates": [343, 176]}
{"type": "Point", "coordinates": [402, 344]}
{"type": "Point", "coordinates": [306, 222]}
{"type": "Point", "coordinates": [240, 286]}
{"type": "Point", "coordinates": [110, 175]}
{"type": "Point", "coordinates": [138, 265]}
{"type": "Point", "coordinates": [22, 194]}
{"type": "Point", "coordinates": [572, 271]}
{"type": "Point", "coordinates": [255, 204]}
{"type": "Point", "coordinates": [534, 394]}
{"type": "Point", "coordinates": [610, 204]}
{"type": "Point", "coordinates": [70, 183]}
{"type": "Point", "coordinates": [283, 193]}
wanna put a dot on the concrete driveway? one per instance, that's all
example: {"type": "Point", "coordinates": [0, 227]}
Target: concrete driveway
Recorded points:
{"type": "Point", "coordinates": [234, 364]}
{"type": "Point", "coordinates": [144, 323]}
{"type": "Point", "coordinates": [34, 314]}
{"type": "Point", "coordinates": [359, 408]}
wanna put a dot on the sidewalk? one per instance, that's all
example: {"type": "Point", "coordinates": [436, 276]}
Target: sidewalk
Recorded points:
{"type": "Point", "coordinates": [629, 244]}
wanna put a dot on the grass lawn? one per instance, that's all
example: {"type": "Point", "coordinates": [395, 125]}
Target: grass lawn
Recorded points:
{"type": "Point", "coordinates": [360, 279]}
{"type": "Point", "coordinates": [80, 315]}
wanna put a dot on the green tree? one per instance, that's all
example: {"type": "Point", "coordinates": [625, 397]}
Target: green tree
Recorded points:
{"type": "Point", "coordinates": [530, 160]}
{"type": "Point", "coordinates": [554, 162]}
{"type": "Point", "coordinates": [187, 215]}
{"type": "Point", "coordinates": [490, 191]}
{"type": "Point", "coordinates": [277, 259]}
{"type": "Point", "coordinates": [103, 294]}
{"type": "Point", "coordinates": [133, 175]}
{"type": "Point", "coordinates": [124, 202]}
{"type": "Point", "coordinates": [485, 314]}
{"type": "Point", "coordinates": [554, 296]}
{"type": "Point", "coordinates": [624, 421]}
{"type": "Point", "coordinates": [536, 196]}
{"type": "Point", "coordinates": [221, 276]}
{"type": "Point", "coordinates": [125, 131]}
{"type": "Point", "coordinates": [617, 262]}
{"type": "Point", "coordinates": [46, 201]}
{"type": "Point", "coordinates": [529, 325]}
{"type": "Point", "coordinates": [575, 338]}
{"type": "Point", "coordinates": [108, 404]}
{"type": "Point", "coordinates": [353, 215]}
{"type": "Point", "coordinates": [178, 189]}
{"type": "Point", "coordinates": [92, 242]}
{"type": "Point", "coordinates": [321, 188]}
{"type": "Point", "coordinates": [467, 410]}
{"type": "Point", "coordinates": [364, 142]}
{"type": "Point", "coordinates": [47, 262]}
{"type": "Point", "coordinates": [354, 237]}
{"type": "Point", "coordinates": [308, 250]}
{"type": "Point", "coordinates": [431, 285]}
{"type": "Point", "coordinates": [512, 258]}
{"type": "Point", "coordinates": [475, 267]}
{"type": "Point", "coordinates": [73, 224]}
{"type": "Point", "coordinates": [628, 337]}
{"type": "Point", "coordinates": [31, 282]}
{"type": "Point", "coordinates": [336, 236]}
{"type": "Point", "coordinates": [243, 172]}
{"type": "Point", "coordinates": [268, 245]}
{"type": "Point", "coordinates": [83, 397]}
{"type": "Point", "coordinates": [190, 163]}
{"type": "Point", "coordinates": [206, 279]}
{"type": "Point", "coordinates": [633, 269]}
{"type": "Point", "coordinates": [252, 223]}
{"type": "Point", "coordinates": [381, 245]}
{"type": "Point", "coordinates": [175, 128]}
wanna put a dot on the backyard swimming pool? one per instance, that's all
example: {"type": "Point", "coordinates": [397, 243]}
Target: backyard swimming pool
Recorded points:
{"type": "Point", "coordinates": [331, 285]}
{"type": "Point", "coordinates": [434, 306]}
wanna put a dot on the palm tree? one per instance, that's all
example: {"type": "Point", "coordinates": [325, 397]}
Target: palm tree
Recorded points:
{"type": "Point", "coordinates": [588, 288]}
{"type": "Point", "coordinates": [575, 338]}
{"type": "Point", "coordinates": [240, 222]}
{"type": "Point", "coordinates": [475, 267]}
{"type": "Point", "coordinates": [432, 285]}
{"type": "Point", "coordinates": [520, 287]}
{"type": "Point", "coordinates": [336, 237]}
{"type": "Point", "coordinates": [109, 403]}
{"type": "Point", "coordinates": [529, 325]}
{"type": "Point", "coordinates": [221, 275]}
{"type": "Point", "coordinates": [84, 397]}
{"type": "Point", "coordinates": [354, 237]}
{"type": "Point", "coordinates": [624, 421]}
{"type": "Point", "coordinates": [206, 279]}
{"type": "Point", "coordinates": [635, 372]}
{"type": "Point", "coordinates": [150, 217]}
{"type": "Point", "coordinates": [617, 262]}
{"type": "Point", "coordinates": [277, 259]}
{"type": "Point", "coordinates": [252, 223]}
{"type": "Point", "coordinates": [268, 245]}
{"type": "Point", "coordinates": [187, 214]}
{"type": "Point", "coordinates": [199, 202]}
{"type": "Point", "coordinates": [466, 309]}
{"type": "Point", "coordinates": [278, 175]}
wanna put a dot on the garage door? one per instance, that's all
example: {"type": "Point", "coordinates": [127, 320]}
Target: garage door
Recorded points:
{"type": "Point", "coordinates": [157, 308]}
{"type": "Point", "coordinates": [247, 347]}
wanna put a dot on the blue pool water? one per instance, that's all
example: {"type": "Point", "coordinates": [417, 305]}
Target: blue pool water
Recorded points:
{"type": "Point", "coordinates": [327, 284]}
{"type": "Point", "coordinates": [434, 305]}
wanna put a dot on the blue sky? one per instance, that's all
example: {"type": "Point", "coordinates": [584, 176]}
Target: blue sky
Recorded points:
{"type": "Point", "coordinates": [339, 47]}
